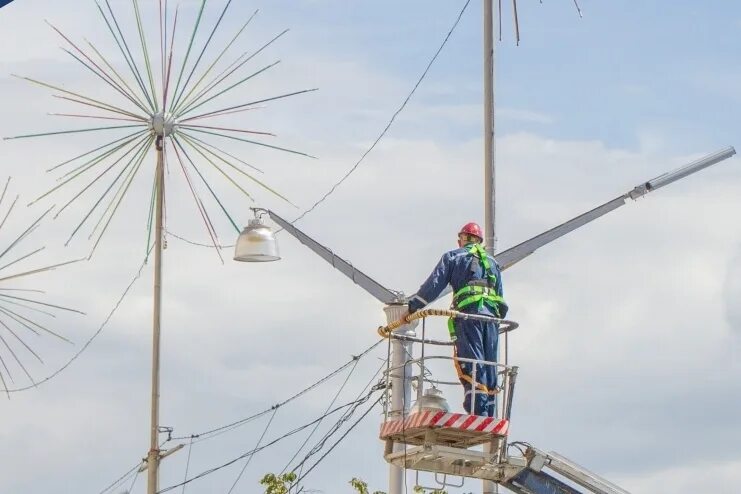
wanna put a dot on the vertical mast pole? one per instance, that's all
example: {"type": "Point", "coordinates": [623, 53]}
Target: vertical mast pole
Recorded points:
{"type": "Point", "coordinates": [489, 143]}
{"type": "Point", "coordinates": [153, 458]}
{"type": "Point", "coordinates": [401, 386]}
{"type": "Point", "coordinates": [490, 239]}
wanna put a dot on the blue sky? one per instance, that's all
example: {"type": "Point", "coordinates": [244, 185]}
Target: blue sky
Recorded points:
{"type": "Point", "coordinates": [620, 69]}
{"type": "Point", "coordinates": [629, 328]}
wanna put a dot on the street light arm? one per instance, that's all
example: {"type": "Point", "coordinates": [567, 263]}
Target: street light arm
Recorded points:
{"type": "Point", "coordinates": [513, 255]}
{"type": "Point", "coordinates": [517, 253]}
{"type": "Point", "coordinates": [361, 279]}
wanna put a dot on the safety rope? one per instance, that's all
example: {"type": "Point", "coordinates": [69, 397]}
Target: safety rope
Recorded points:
{"type": "Point", "coordinates": [385, 331]}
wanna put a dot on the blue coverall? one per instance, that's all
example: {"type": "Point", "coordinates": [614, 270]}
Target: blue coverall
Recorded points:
{"type": "Point", "coordinates": [474, 339]}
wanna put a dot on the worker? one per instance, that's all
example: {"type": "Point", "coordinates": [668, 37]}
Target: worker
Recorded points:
{"type": "Point", "coordinates": [477, 289]}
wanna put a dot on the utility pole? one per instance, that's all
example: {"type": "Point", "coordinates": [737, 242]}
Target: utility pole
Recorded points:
{"type": "Point", "coordinates": [401, 385]}
{"type": "Point", "coordinates": [153, 457]}
{"type": "Point", "coordinates": [490, 241]}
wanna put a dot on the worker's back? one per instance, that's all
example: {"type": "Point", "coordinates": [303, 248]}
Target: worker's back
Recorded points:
{"type": "Point", "coordinates": [460, 268]}
{"type": "Point", "coordinates": [467, 268]}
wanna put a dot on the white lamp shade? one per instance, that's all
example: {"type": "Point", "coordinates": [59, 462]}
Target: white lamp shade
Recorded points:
{"type": "Point", "coordinates": [256, 243]}
{"type": "Point", "coordinates": [432, 399]}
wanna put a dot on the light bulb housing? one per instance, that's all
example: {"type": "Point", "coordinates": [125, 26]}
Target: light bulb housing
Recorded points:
{"type": "Point", "coordinates": [256, 243]}
{"type": "Point", "coordinates": [432, 399]}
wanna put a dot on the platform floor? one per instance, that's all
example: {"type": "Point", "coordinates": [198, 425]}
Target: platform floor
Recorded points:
{"type": "Point", "coordinates": [458, 430]}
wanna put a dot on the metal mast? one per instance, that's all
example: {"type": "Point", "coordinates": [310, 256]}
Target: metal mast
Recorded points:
{"type": "Point", "coordinates": [489, 143]}
{"type": "Point", "coordinates": [489, 487]}
{"type": "Point", "coordinates": [153, 458]}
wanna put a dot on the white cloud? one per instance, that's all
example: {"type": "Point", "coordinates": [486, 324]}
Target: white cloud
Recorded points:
{"type": "Point", "coordinates": [626, 324]}
{"type": "Point", "coordinates": [698, 476]}
{"type": "Point", "coordinates": [528, 116]}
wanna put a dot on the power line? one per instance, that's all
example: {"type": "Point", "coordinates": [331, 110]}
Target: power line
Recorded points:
{"type": "Point", "coordinates": [393, 117]}
{"type": "Point", "coordinates": [331, 404]}
{"type": "Point", "coordinates": [333, 429]}
{"type": "Point", "coordinates": [340, 439]}
{"type": "Point", "coordinates": [249, 458]}
{"type": "Point", "coordinates": [336, 427]}
{"type": "Point", "coordinates": [187, 463]}
{"type": "Point", "coordinates": [121, 479]}
{"type": "Point", "coordinates": [202, 436]}
{"type": "Point", "coordinates": [133, 482]}
{"type": "Point", "coordinates": [258, 449]}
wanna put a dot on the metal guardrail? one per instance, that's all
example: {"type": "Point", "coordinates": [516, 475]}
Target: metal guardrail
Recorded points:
{"type": "Point", "coordinates": [423, 378]}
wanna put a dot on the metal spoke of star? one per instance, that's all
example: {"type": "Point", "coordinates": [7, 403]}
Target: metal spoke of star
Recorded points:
{"type": "Point", "coordinates": [24, 315]}
{"type": "Point", "coordinates": [174, 107]}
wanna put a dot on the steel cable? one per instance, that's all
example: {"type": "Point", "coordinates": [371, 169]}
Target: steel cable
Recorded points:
{"type": "Point", "coordinates": [249, 458]}
{"type": "Point", "coordinates": [258, 449]}
{"type": "Point", "coordinates": [202, 436]}
{"type": "Point", "coordinates": [339, 440]}
{"type": "Point", "coordinates": [121, 479]}
{"type": "Point", "coordinates": [329, 407]}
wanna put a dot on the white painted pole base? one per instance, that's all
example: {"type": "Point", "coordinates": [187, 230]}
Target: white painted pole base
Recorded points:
{"type": "Point", "coordinates": [401, 385]}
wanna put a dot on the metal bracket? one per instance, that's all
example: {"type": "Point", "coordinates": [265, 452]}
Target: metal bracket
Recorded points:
{"type": "Point", "coordinates": [163, 454]}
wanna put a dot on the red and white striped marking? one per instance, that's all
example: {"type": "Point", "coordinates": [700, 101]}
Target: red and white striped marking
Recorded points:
{"type": "Point", "coordinates": [438, 419]}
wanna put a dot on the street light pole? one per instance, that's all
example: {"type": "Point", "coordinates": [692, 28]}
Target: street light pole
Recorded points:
{"type": "Point", "coordinates": [153, 457]}
{"type": "Point", "coordinates": [489, 142]}
{"type": "Point", "coordinates": [490, 241]}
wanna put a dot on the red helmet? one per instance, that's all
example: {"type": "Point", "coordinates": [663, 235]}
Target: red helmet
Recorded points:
{"type": "Point", "coordinates": [472, 229]}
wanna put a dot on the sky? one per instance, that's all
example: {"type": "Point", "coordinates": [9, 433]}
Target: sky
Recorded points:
{"type": "Point", "coordinates": [630, 328]}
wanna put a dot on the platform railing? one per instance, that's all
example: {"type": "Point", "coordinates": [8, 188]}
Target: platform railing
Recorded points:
{"type": "Point", "coordinates": [422, 378]}
{"type": "Point", "coordinates": [506, 374]}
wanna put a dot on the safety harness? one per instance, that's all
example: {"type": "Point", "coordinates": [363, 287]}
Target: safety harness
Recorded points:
{"type": "Point", "coordinates": [481, 292]}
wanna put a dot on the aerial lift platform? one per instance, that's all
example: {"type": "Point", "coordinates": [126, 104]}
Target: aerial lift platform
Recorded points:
{"type": "Point", "coordinates": [429, 437]}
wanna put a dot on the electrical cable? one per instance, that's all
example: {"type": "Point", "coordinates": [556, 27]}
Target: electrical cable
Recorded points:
{"type": "Point", "coordinates": [332, 430]}
{"type": "Point", "coordinates": [331, 404]}
{"type": "Point", "coordinates": [249, 458]}
{"type": "Point", "coordinates": [340, 439]}
{"type": "Point", "coordinates": [202, 436]}
{"type": "Point", "coordinates": [335, 428]}
{"type": "Point", "coordinates": [139, 469]}
{"type": "Point", "coordinates": [257, 450]}
{"type": "Point", "coordinates": [384, 363]}
{"type": "Point", "coordinates": [133, 482]}
{"type": "Point", "coordinates": [391, 121]}
{"type": "Point", "coordinates": [375, 142]}
{"type": "Point", "coordinates": [578, 9]}
{"type": "Point", "coordinates": [90, 340]}
{"type": "Point", "coordinates": [187, 464]}
{"type": "Point", "coordinates": [121, 479]}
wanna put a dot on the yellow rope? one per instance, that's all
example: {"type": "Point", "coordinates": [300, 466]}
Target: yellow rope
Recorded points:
{"type": "Point", "coordinates": [385, 331]}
